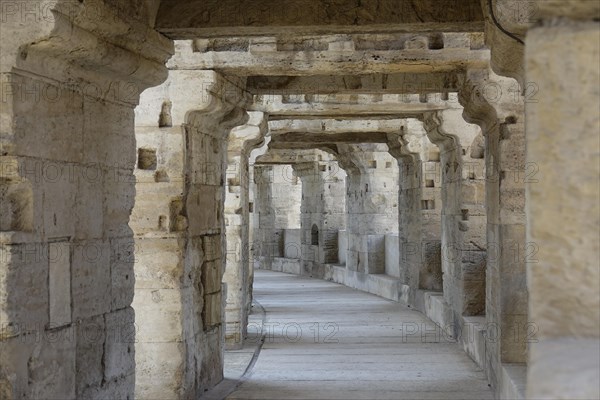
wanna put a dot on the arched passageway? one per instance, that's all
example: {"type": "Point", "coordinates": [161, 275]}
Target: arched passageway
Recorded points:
{"type": "Point", "coordinates": [125, 253]}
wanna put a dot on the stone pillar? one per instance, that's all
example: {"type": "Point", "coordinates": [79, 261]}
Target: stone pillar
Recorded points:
{"type": "Point", "coordinates": [496, 105]}
{"type": "Point", "coordinates": [463, 214]}
{"type": "Point", "coordinates": [237, 220]}
{"type": "Point", "coordinates": [371, 207]}
{"type": "Point", "coordinates": [563, 243]}
{"type": "Point", "coordinates": [419, 205]}
{"type": "Point", "coordinates": [323, 213]}
{"type": "Point", "coordinates": [67, 152]}
{"type": "Point", "coordinates": [182, 130]}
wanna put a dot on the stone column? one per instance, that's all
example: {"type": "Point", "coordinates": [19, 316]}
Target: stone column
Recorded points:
{"type": "Point", "coordinates": [371, 207]}
{"type": "Point", "coordinates": [182, 130]}
{"type": "Point", "coordinates": [563, 243]}
{"type": "Point", "coordinates": [496, 105]}
{"type": "Point", "coordinates": [323, 213]}
{"type": "Point", "coordinates": [419, 205]}
{"type": "Point", "coordinates": [463, 214]}
{"type": "Point", "coordinates": [67, 153]}
{"type": "Point", "coordinates": [237, 220]}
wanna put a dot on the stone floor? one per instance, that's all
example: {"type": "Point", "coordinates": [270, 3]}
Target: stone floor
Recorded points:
{"type": "Point", "coordinates": [326, 341]}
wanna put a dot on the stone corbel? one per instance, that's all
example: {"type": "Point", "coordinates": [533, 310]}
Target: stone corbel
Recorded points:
{"type": "Point", "coordinates": [221, 104]}
{"type": "Point", "coordinates": [94, 48]}
{"type": "Point", "coordinates": [489, 99]}
{"type": "Point", "coordinates": [433, 124]}
{"type": "Point", "coordinates": [343, 154]}
{"type": "Point", "coordinates": [245, 138]}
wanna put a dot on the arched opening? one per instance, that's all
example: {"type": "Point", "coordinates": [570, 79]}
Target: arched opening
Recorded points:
{"type": "Point", "coordinates": [314, 235]}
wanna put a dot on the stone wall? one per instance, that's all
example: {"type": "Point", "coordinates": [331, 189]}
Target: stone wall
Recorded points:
{"type": "Point", "coordinates": [277, 198]}
{"type": "Point", "coordinates": [371, 206]}
{"type": "Point", "coordinates": [67, 153]}
{"type": "Point", "coordinates": [323, 213]}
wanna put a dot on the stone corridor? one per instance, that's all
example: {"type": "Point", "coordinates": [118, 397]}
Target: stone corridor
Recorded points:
{"type": "Point", "coordinates": [404, 160]}
{"type": "Point", "coordinates": [326, 341]}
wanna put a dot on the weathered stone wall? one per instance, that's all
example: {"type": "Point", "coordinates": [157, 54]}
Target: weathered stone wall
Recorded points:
{"type": "Point", "coordinates": [182, 129]}
{"type": "Point", "coordinates": [277, 200]}
{"type": "Point", "coordinates": [323, 212]}
{"type": "Point", "coordinates": [562, 207]}
{"type": "Point", "coordinates": [67, 151]}
{"type": "Point", "coordinates": [371, 206]}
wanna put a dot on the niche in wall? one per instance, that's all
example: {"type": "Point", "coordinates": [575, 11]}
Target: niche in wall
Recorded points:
{"type": "Point", "coordinates": [314, 235]}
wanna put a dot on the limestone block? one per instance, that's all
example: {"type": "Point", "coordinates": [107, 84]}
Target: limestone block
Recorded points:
{"type": "Point", "coordinates": [376, 254]}
{"type": "Point", "coordinates": [91, 336]}
{"type": "Point", "coordinates": [88, 210]}
{"type": "Point", "coordinates": [60, 193]}
{"type": "Point", "coordinates": [119, 195]}
{"type": "Point", "coordinates": [157, 263]}
{"type": "Point", "coordinates": [564, 369]}
{"type": "Point", "coordinates": [512, 156]}
{"type": "Point", "coordinates": [292, 243]}
{"type": "Point", "coordinates": [342, 246]}
{"type": "Point", "coordinates": [162, 365]}
{"type": "Point", "coordinates": [474, 237]}
{"type": "Point", "coordinates": [352, 260]}
{"type": "Point", "coordinates": [122, 272]}
{"type": "Point", "coordinates": [291, 266]}
{"type": "Point", "coordinates": [100, 137]}
{"type": "Point", "coordinates": [61, 122]}
{"type": "Point", "coordinates": [18, 197]}
{"type": "Point", "coordinates": [211, 314]}
{"type": "Point", "coordinates": [203, 208]}
{"type": "Point", "coordinates": [276, 264]}
{"type": "Point", "coordinates": [44, 365]}
{"type": "Point", "coordinates": [211, 246]}
{"type": "Point", "coordinates": [59, 283]}
{"type": "Point", "coordinates": [211, 276]}
{"type": "Point", "coordinates": [119, 350]}
{"type": "Point", "coordinates": [566, 194]}
{"type": "Point", "coordinates": [91, 281]}
{"type": "Point", "coordinates": [119, 388]}
{"type": "Point", "coordinates": [24, 285]}
{"type": "Point", "coordinates": [516, 334]}
{"type": "Point", "coordinates": [473, 192]}
{"type": "Point", "coordinates": [457, 40]}
{"type": "Point", "coordinates": [392, 255]}
{"type": "Point", "coordinates": [512, 201]}
{"type": "Point", "coordinates": [159, 315]}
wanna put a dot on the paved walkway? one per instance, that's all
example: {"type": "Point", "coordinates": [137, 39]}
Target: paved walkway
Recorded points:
{"type": "Point", "coordinates": [326, 341]}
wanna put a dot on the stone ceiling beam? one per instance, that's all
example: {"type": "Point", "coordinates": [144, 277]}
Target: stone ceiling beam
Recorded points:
{"type": "Point", "coordinates": [332, 126]}
{"type": "Point", "coordinates": [439, 82]}
{"type": "Point", "coordinates": [337, 55]}
{"type": "Point", "coordinates": [216, 18]}
{"type": "Point", "coordinates": [275, 156]}
{"type": "Point", "coordinates": [325, 138]}
{"type": "Point", "coordinates": [352, 107]}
